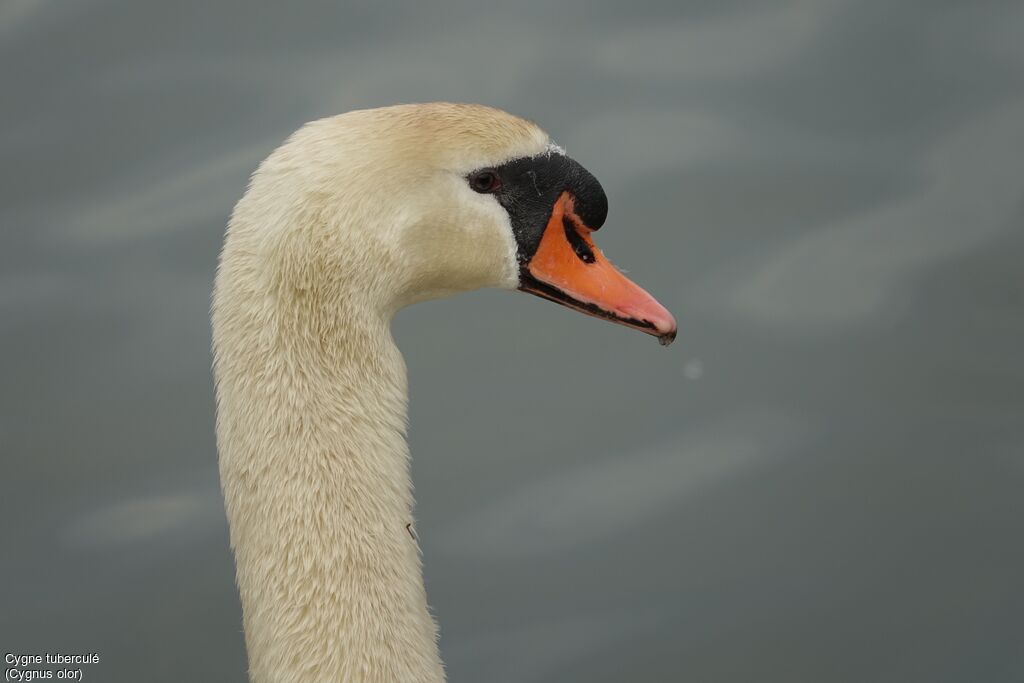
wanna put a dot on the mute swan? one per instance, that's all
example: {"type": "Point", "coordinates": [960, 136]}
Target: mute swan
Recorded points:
{"type": "Point", "coordinates": [351, 219]}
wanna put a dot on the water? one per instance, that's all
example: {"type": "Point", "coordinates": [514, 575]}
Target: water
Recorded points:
{"type": "Point", "coordinates": [827, 195]}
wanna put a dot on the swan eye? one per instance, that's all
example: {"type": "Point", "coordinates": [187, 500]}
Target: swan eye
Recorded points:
{"type": "Point", "coordinates": [484, 181]}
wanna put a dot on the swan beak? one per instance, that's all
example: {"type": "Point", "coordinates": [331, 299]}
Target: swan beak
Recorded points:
{"type": "Point", "coordinates": [569, 269]}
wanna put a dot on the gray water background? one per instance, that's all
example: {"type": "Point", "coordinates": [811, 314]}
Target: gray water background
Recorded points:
{"type": "Point", "coordinates": [820, 481]}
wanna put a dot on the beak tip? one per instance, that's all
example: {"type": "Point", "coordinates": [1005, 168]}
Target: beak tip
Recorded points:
{"type": "Point", "coordinates": [664, 326]}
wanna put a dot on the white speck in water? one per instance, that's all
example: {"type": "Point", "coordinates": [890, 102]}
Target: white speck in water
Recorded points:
{"type": "Point", "coordinates": [694, 368]}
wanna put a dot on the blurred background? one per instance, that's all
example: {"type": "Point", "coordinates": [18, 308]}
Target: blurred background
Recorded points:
{"type": "Point", "coordinates": [820, 481]}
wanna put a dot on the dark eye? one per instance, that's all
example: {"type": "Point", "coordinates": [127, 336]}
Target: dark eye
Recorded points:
{"type": "Point", "coordinates": [484, 181]}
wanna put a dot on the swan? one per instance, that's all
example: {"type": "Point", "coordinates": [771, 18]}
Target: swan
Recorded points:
{"type": "Point", "coordinates": [349, 220]}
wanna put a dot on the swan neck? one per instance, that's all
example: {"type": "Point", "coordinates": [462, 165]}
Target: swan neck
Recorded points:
{"type": "Point", "coordinates": [315, 472]}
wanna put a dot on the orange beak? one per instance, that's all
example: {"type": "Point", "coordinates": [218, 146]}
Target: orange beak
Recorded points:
{"type": "Point", "coordinates": [569, 269]}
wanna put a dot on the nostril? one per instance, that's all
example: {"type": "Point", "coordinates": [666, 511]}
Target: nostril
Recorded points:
{"type": "Point", "coordinates": [576, 241]}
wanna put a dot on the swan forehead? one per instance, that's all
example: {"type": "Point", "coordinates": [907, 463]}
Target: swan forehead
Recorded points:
{"type": "Point", "coordinates": [440, 135]}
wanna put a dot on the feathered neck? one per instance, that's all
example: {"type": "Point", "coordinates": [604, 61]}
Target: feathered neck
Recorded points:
{"type": "Point", "coordinates": [314, 467]}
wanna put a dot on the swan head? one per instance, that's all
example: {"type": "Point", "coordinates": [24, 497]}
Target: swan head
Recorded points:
{"type": "Point", "coordinates": [413, 202]}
